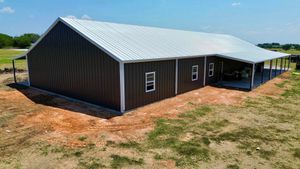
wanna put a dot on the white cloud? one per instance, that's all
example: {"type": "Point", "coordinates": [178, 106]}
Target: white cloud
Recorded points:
{"type": "Point", "coordinates": [86, 17]}
{"type": "Point", "coordinates": [71, 17]}
{"type": "Point", "coordinates": [7, 10]}
{"type": "Point", "coordinates": [1, 1]}
{"type": "Point", "coordinates": [236, 4]}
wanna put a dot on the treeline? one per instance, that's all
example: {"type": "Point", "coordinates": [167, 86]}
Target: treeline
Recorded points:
{"type": "Point", "coordinates": [279, 46]}
{"type": "Point", "coordinates": [23, 41]}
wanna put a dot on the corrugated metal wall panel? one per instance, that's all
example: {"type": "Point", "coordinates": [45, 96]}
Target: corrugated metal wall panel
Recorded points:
{"type": "Point", "coordinates": [185, 82]}
{"type": "Point", "coordinates": [228, 66]}
{"type": "Point", "coordinates": [135, 94]}
{"type": "Point", "coordinates": [66, 63]}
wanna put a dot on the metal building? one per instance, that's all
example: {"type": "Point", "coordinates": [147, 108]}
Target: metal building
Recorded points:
{"type": "Point", "coordinates": [123, 66]}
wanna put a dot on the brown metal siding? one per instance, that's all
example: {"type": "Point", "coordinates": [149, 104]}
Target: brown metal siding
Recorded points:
{"type": "Point", "coordinates": [217, 69]}
{"type": "Point", "coordinates": [66, 63]}
{"type": "Point", "coordinates": [135, 94]}
{"type": "Point", "coordinates": [232, 65]}
{"type": "Point", "coordinates": [185, 82]}
{"type": "Point", "coordinates": [228, 66]}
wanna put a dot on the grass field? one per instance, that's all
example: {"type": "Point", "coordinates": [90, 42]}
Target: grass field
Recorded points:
{"type": "Point", "coordinates": [291, 51]}
{"type": "Point", "coordinates": [5, 59]}
{"type": "Point", "coordinates": [263, 132]}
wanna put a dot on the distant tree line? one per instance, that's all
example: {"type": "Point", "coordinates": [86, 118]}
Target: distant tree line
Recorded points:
{"type": "Point", "coordinates": [23, 41]}
{"type": "Point", "coordinates": [279, 46]}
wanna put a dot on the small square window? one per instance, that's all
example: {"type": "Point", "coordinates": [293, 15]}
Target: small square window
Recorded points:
{"type": "Point", "coordinates": [150, 82]}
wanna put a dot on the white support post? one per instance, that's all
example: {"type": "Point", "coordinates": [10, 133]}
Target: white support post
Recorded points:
{"type": "Point", "coordinates": [176, 77]}
{"type": "Point", "coordinates": [28, 70]}
{"type": "Point", "coordinates": [122, 87]}
{"type": "Point", "coordinates": [271, 69]}
{"type": "Point", "coordinates": [253, 75]}
{"type": "Point", "coordinates": [204, 79]}
{"type": "Point", "coordinates": [289, 64]}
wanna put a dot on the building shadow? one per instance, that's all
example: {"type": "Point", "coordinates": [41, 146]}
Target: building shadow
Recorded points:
{"type": "Point", "coordinates": [53, 100]}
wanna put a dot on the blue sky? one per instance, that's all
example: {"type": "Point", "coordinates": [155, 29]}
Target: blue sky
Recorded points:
{"type": "Point", "coordinates": [253, 20]}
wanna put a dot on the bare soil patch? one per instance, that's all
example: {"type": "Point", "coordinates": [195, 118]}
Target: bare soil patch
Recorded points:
{"type": "Point", "coordinates": [63, 121]}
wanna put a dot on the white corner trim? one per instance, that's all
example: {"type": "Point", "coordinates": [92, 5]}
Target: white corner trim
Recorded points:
{"type": "Point", "coordinates": [122, 87]}
{"type": "Point", "coordinates": [253, 75]}
{"type": "Point", "coordinates": [204, 76]}
{"type": "Point", "coordinates": [28, 71]}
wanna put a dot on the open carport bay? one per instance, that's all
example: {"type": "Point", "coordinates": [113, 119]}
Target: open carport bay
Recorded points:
{"type": "Point", "coordinates": [239, 75]}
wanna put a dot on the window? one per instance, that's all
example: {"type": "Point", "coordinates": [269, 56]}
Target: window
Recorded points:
{"type": "Point", "coordinates": [150, 81]}
{"type": "Point", "coordinates": [194, 72]}
{"type": "Point", "coordinates": [211, 69]}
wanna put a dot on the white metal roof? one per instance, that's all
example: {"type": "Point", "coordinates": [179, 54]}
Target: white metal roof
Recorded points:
{"type": "Point", "coordinates": [130, 43]}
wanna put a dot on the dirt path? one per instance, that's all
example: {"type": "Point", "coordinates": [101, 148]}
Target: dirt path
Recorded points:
{"type": "Point", "coordinates": [63, 121]}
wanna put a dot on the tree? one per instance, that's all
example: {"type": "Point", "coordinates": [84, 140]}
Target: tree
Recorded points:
{"type": "Point", "coordinates": [25, 40]}
{"type": "Point", "coordinates": [22, 42]}
{"type": "Point", "coordinates": [6, 40]}
{"type": "Point", "coordinates": [297, 47]}
{"type": "Point", "coordinates": [286, 47]}
{"type": "Point", "coordinates": [32, 37]}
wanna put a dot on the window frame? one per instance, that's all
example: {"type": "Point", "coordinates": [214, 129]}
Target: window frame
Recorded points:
{"type": "Point", "coordinates": [152, 81]}
{"type": "Point", "coordinates": [211, 71]}
{"type": "Point", "coordinates": [195, 73]}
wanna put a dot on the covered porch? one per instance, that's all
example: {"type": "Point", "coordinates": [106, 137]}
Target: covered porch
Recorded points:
{"type": "Point", "coordinates": [15, 71]}
{"type": "Point", "coordinates": [247, 76]}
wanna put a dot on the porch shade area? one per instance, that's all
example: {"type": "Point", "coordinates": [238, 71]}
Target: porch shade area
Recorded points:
{"type": "Point", "coordinates": [247, 76]}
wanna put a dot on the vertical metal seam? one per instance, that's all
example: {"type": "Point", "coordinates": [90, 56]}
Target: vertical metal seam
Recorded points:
{"type": "Point", "coordinates": [204, 80]}
{"type": "Point", "coordinates": [176, 77]}
{"type": "Point", "coordinates": [122, 87]}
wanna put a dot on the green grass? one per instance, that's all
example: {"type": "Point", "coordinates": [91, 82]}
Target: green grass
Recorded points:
{"type": "Point", "coordinates": [90, 163]}
{"type": "Point", "coordinates": [121, 161]}
{"type": "Point", "coordinates": [5, 59]}
{"type": "Point", "coordinates": [297, 153]}
{"type": "Point", "coordinates": [291, 51]}
{"type": "Point", "coordinates": [203, 137]}
{"type": "Point", "coordinates": [82, 138]}
{"type": "Point", "coordinates": [232, 166]}
{"type": "Point", "coordinates": [131, 144]}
